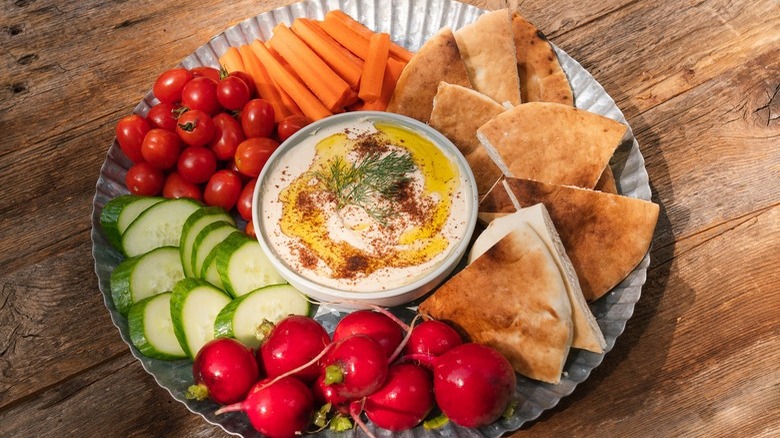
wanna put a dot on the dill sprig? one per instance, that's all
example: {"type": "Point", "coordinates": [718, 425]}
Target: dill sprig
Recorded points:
{"type": "Point", "coordinates": [360, 183]}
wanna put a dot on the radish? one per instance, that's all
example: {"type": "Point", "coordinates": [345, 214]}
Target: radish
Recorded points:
{"type": "Point", "coordinates": [432, 337]}
{"type": "Point", "coordinates": [404, 400]}
{"type": "Point", "coordinates": [472, 383]}
{"type": "Point", "coordinates": [379, 326]}
{"type": "Point", "coordinates": [279, 409]}
{"type": "Point", "coordinates": [355, 367]}
{"type": "Point", "coordinates": [224, 371]}
{"type": "Point", "coordinates": [294, 341]}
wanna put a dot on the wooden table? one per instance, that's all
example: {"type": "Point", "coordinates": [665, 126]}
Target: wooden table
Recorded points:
{"type": "Point", "coordinates": [698, 81]}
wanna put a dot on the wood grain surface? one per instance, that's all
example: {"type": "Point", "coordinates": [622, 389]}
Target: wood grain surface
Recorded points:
{"type": "Point", "coordinates": [698, 82]}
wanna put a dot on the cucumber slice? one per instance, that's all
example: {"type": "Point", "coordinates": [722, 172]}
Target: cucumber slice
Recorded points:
{"type": "Point", "coordinates": [192, 226]}
{"type": "Point", "coordinates": [209, 270]}
{"type": "Point", "coordinates": [241, 318]}
{"type": "Point", "coordinates": [195, 305]}
{"type": "Point", "coordinates": [141, 277]}
{"type": "Point", "coordinates": [151, 330]}
{"type": "Point", "coordinates": [159, 225]}
{"type": "Point", "coordinates": [243, 266]}
{"type": "Point", "coordinates": [119, 212]}
{"type": "Point", "coordinates": [208, 238]}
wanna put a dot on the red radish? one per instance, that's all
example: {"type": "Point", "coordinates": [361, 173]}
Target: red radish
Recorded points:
{"type": "Point", "coordinates": [404, 400]}
{"type": "Point", "coordinates": [355, 367]}
{"type": "Point", "coordinates": [224, 370]}
{"type": "Point", "coordinates": [432, 337]}
{"type": "Point", "coordinates": [294, 341]}
{"type": "Point", "coordinates": [473, 383]}
{"type": "Point", "coordinates": [324, 394]}
{"type": "Point", "coordinates": [375, 325]}
{"type": "Point", "coordinates": [281, 409]}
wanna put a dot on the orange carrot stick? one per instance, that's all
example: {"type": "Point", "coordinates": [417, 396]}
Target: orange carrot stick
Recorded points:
{"type": "Point", "coordinates": [388, 87]}
{"type": "Point", "coordinates": [396, 51]}
{"type": "Point", "coordinates": [326, 84]}
{"type": "Point", "coordinates": [374, 68]}
{"type": "Point", "coordinates": [341, 60]}
{"type": "Point", "coordinates": [289, 107]}
{"type": "Point", "coordinates": [395, 67]}
{"type": "Point", "coordinates": [307, 102]}
{"type": "Point", "coordinates": [231, 60]}
{"type": "Point", "coordinates": [263, 81]}
{"type": "Point", "coordinates": [345, 36]}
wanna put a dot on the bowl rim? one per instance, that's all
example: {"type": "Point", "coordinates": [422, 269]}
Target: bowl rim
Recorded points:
{"type": "Point", "coordinates": [444, 267]}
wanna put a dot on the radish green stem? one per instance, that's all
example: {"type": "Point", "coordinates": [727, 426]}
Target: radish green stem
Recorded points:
{"type": "Point", "coordinates": [436, 422]}
{"type": "Point", "coordinates": [333, 374]}
{"type": "Point", "coordinates": [198, 392]}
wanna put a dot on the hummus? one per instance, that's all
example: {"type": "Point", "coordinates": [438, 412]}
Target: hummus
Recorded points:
{"type": "Point", "coordinates": [365, 206]}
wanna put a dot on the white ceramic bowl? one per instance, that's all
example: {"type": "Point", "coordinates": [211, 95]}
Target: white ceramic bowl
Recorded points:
{"type": "Point", "coordinates": [389, 296]}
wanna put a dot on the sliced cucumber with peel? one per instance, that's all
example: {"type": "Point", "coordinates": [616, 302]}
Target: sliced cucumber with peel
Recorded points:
{"type": "Point", "coordinates": [206, 240]}
{"type": "Point", "coordinates": [242, 317]}
{"type": "Point", "coordinates": [192, 226]}
{"type": "Point", "coordinates": [151, 329]}
{"type": "Point", "coordinates": [140, 277]}
{"type": "Point", "coordinates": [243, 266]}
{"type": "Point", "coordinates": [120, 212]}
{"type": "Point", "coordinates": [209, 269]}
{"type": "Point", "coordinates": [195, 305]}
{"type": "Point", "coordinates": [158, 225]}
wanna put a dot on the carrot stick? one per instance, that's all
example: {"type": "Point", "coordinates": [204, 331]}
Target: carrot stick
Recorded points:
{"type": "Point", "coordinates": [307, 102]}
{"type": "Point", "coordinates": [341, 60]}
{"type": "Point", "coordinates": [396, 51]}
{"type": "Point", "coordinates": [345, 36]}
{"type": "Point", "coordinates": [231, 60]}
{"type": "Point", "coordinates": [326, 84]}
{"type": "Point", "coordinates": [265, 85]}
{"type": "Point", "coordinates": [374, 68]}
{"type": "Point", "coordinates": [395, 67]}
{"type": "Point", "coordinates": [289, 107]}
{"type": "Point", "coordinates": [388, 87]}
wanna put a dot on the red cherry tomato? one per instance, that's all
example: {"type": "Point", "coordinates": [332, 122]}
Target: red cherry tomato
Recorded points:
{"type": "Point", "coordinates": [244, 204]}
{"type": "Point", "coordinates": [130, 133]}
{"type": "Point", "coordinates": [290, 125]}
{"type": "Point", "coordinates": [223, 189]}
{"type": "Point", "coordinates": [143, 179]}
{"type": "Point", "coordinates": [209, 72]}
{"type": "Point", "coordinates": [195, 128]}
{"type": "Point", "coordinates": [227, 136]}
{"type": "Point", "coordinates": [177, 187]}
{"type": "Point", "coordinates": [250, 83]}
{"type": "Point", "coordinates": [201, 94]}
{"type": "Point", "coordinates": [197, 164]}
{"type": "Point", "coordinates": [162, 116]}
{"type": "Point", "coordinates": [257, 118]}
{"type": "Point", "coordinates": [253, 153]}
{"type": "Point", "coordinates": [232, 93]}
{"type": "Point", "coordinates": [169, 85]}
{"type": "Point", "coordinates": [161, 148]}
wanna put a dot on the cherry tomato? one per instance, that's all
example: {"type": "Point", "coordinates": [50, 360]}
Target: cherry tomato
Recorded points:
{"type": "Point", "coordinates": [195, 128]}
{"type": "Point", "coordinates": [201, 94]}
{"type": "Point", "coordinates": [250, 229]}
{"type": "Point", "coordinates": [169, 85]}
{"type": "Point", "coordinates": [253, 153]}
{"type": "Point", "coordinates": [223, 189]}
{"type": "Point", "coordinates": [232, 93]}
{"type": "Point", "coordinates": [196, 164]}
{"type": "Point", "coordinates": [177, 187]}
{"type": "Point", "coordinates": [227, 136]}
{"type": "Point", "coordinates": [250, 83]}
{"type": "Point", "coordinates": [209, 72]}
{"type": "Point", "coordinates": [161, 148]}
{"type": "Point", "coordinates": [144, 179]}
{"type": "Point", "coordinates": [290, 125]}
{"type": "Point", "coordinates": [162, 116]}
{"type": "Point", "coordinates": [257, 118]}
{"type": "Point", "coordinates": [244, 204]}
{"type": "Point", "coordinates": [130, 133]}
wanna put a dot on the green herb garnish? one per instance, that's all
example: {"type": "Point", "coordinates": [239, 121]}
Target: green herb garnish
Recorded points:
{"type": "Point", "coordinates": [360, 184]}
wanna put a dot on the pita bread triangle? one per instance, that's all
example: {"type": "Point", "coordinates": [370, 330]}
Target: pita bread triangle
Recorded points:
{"type": "Point", "coordinates": [530, 322]}
{"type": "Point", "coordinates": [437, 60]}
{"type": "Point", "coordinates": [605, 235]}
{"type": "Point", "coordinates": [551, 142]}
{"type": "Point", "coordinates": [457, 113]}
{"type": "Point", "coordinates": [488, 50]}
{"type": "Point", "coordinates": [541, 77]}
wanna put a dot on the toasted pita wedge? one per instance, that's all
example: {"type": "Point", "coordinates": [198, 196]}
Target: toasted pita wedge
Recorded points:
{"type": "Point", "coordinates": [488, 49]}
{"type": "Point", "coordinates": [604, 235]}
{"type": "Point", "coordinates": [457, 113]}
{"type": "Point", "coordinates": [530, 319]}
{"type": "Point", "coordinates": [606, 182]}
{"type": "Point", "coordinates": [587, 334]}
{"type": "Point", "coordinates": [551, 142]}
{"type": "Point", "coordinates": [437, 60]}
{"type": "Point", "coordinates": [541, 77]}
